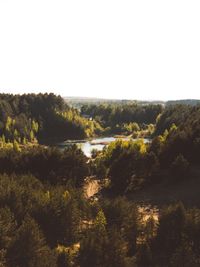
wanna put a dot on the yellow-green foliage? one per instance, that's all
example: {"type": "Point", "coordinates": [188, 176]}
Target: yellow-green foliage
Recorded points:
{"type": "Point", "coordinates": [151, 128]}
{"type": "Point", "coordinates": [131, 127]}
{"type": "Point", "coordinates": [19, 130]}
{"type": "Point", "coordinates": [119, 145]}
{"type": "Point", "coordinates": [165, 135]}
{"type": "Point", "coordinates": [66, 195]}
{"type": "Point", "coordinates": [16, 146]}
{"type": "Point", "coordinates": [90, 127]}
{"type": "Point", "coordinates": [24, 141]}
{"type": "Point", "coordinates": [8, 123]}
{"type": "Point", "coordinates": [35, 126]}
{"type": "Point", "coordinates": [173, 128]}
{"type": "Point", "coordinates": [100, 221]}
{"type": "Point", "coordinates": [32, 136]}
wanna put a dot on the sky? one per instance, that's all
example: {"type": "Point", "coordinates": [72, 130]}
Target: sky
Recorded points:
{"type": "Point", "coordinates": [144, 49]}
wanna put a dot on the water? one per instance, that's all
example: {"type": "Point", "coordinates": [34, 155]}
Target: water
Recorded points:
{"type": "Point", "coordinates": [88, 145]}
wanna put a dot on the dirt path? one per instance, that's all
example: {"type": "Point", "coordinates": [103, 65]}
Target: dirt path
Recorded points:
{"type": "Point", "coordinates": [91, 187]}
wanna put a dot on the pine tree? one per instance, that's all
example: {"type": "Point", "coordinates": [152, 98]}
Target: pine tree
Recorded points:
{"type": "Point", "coordinates": [100, 221]}
{"type": "Point", "coordinates": [24, 141]}
{"type": "Point", "coordinates": [32, 136]}
{"type": "Point", "coordinates": [29, 249]}
{"type": "Point", "coordinates": [16, 146]}
{"type": "Point", "coordinates": [3, 139]}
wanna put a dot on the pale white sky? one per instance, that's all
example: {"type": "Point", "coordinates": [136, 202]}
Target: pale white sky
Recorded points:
{"type": "Point", "coordinates": [144, 49]}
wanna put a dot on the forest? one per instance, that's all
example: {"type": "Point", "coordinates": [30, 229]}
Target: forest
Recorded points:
{"type": "Point", "coordinates": [146, 212]}
{"type": "Point", "coordinates": [122, 118]}
{"type": "Point", "coordinates": [43, 118]}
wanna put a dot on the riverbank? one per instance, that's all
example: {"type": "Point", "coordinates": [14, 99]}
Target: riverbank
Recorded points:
{"type": "Point", "coordinates": [88, 145]}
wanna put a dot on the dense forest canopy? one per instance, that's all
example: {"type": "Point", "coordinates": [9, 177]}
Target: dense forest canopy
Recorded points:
{"type": "Point", "coordinates": [46, 118]}
{"type": "Point", "coordinates": [134, 163]}
{"type": "Point", "coordinates": [117, 118]}
{"type": "Point", "coordinates": [137, 218]}
{"type": "Point", "coordinates": [125, 113]}
{"type": "Point", "coordinates": [42, 117]}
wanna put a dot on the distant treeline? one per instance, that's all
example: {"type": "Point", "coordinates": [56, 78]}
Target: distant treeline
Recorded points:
{"type": "Point", "coordinates": [115, 116]}
{"type": "Point", "coordinates": [189, 102]}
{"type": "Point", "coordinates": [78, 102]}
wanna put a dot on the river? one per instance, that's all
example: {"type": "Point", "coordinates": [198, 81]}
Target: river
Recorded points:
{"type": "Point", "coordinates": [97, 143]}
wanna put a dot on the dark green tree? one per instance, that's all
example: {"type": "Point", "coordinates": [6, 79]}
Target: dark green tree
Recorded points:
{"type": "Point", "coordinates": [28, 248]}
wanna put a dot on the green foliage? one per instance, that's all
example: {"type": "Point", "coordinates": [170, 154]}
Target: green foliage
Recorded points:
{"type": "Point", "coordinates": [170, 231]}
{"type": "Point", "coordinates": [59, 217]}
{"type": "Point", "coordinates": [100, 221]}
{"type": "Point", "coordinates": [47, 164]}
{"type": "Point", "coordinates": [31, 136]}
{"type": "Point", "coordinates": [180, 167]}
{"type": "Point", "coordinates": [28, 248]}
{"type": "Point", "coordinates": [35, 126]}
{"type": "Point", "coordinates": [123, 162]}
{"type": "Point", "coordinates": [42, 117]}
{"type": "Point", "coordinates": [16, 146]}
{"type": "Point", "coordinates": [57, 214]}
{"type": "Point", "coordinates": [108, 249]}
{"type": "Point", "coordinates": [8, 227]}
{"type": "Point", "coordinates": [131, 127]}
{"type": "Point", "coordinates": [92, 250]}
{"type": "Point", "coordinates": [174, 244]}
{"type": "Point", "coordinates": [123, 216]}
{"type": "Point", "coordinates": [123, 115]}
{"type": "Point", "coordinates": [172, 115]}
{"type": "Point", "coordinates": [45, 220]}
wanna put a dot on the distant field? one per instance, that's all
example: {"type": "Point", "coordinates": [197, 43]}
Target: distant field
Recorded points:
{"type": "Point", "coordinates": [79, 101]}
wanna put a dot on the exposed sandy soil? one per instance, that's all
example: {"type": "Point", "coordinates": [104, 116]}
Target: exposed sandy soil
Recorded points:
{"type": "Point", "coordinates": [91, 187]}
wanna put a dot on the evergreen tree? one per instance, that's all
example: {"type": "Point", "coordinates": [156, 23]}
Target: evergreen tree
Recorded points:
{"type": "Point", "coordinates": [28, 248]}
